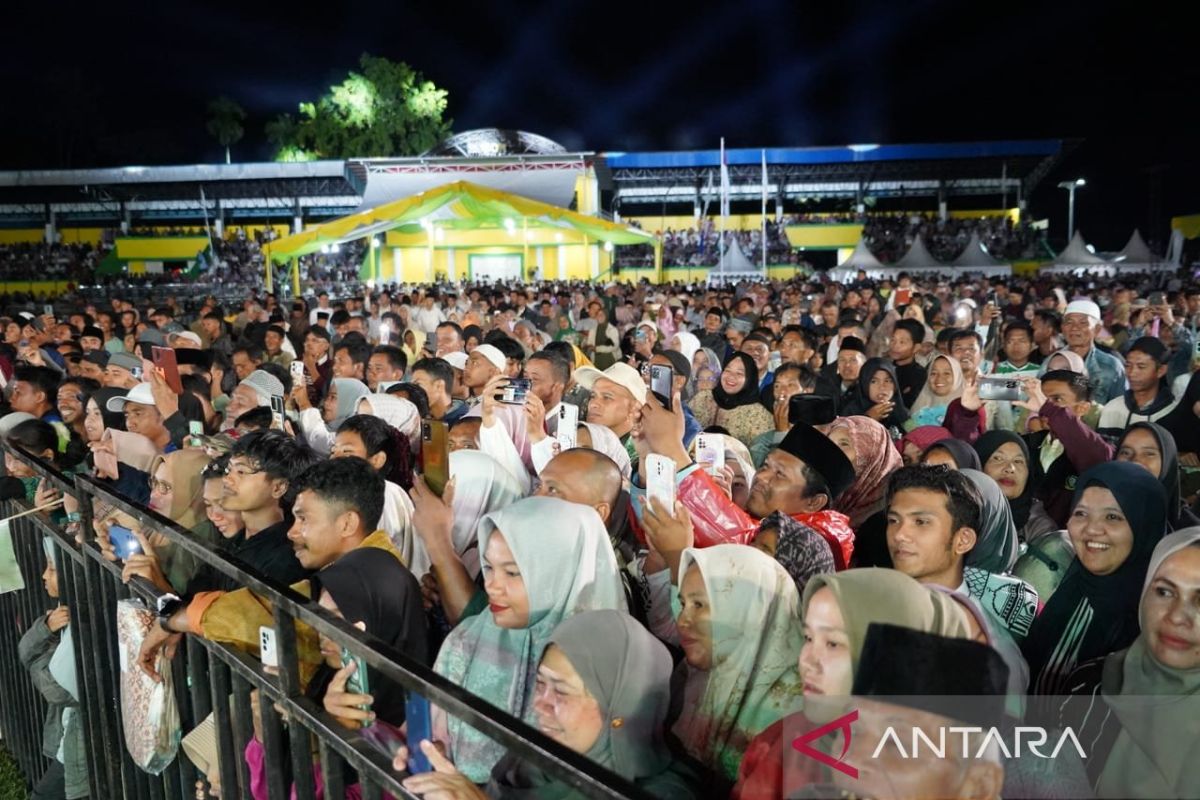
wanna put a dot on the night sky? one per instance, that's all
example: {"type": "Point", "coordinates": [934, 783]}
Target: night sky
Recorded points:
{"type": "Point", "coordinates": [94, 85]}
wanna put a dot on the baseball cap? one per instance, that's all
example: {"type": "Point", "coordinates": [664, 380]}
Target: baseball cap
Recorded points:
{"type": "Point", "coordinates": [458, 359]}
{"type": "Point", "coordinates": [141, 394]}
{"type": "Point", "coordinates": [97, 357]}
{"type": "Point", "coordinates": [125, 361]}
{"type": "Point", "coordinates": [492, 354]}
{"type": "Point", "coordinates": [1085, 307]}
{"type": "Point", "coordinates": [620, 373]}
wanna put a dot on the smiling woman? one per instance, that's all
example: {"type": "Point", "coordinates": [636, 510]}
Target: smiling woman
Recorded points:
{"type": "Point", "coordinates": [1119, 515]}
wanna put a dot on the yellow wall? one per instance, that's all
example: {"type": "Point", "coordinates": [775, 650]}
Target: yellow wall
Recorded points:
{"type": "Point", "coordinates": [38, 235]}
{"type": "Point", "coordinates": [34, 287]}
{"type": "Point", "coordinates": [824, 237]}
{"type": "Point", "coordinates": [576, 261]}
{"type": "Point", "coordinates": [165, 248]}
{"type": "Point", "coordinates": [753, 222]}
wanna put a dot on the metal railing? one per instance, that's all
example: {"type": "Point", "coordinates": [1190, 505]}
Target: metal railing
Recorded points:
{"type": "Point", "coordinates": [212, 677]}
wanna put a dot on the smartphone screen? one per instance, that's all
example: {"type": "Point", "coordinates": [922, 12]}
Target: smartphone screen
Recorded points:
{"type": "Point", "coordinates": [164, 359]}
{"type": "Point", "coordinates": [277, 412]}
{"type": "Point", "coordinates": [420, 726]}
{"type": "Point", "coordinates": [357, 683]}
{"type": "Point", "coordinates": [435, 455]}
{"type": "Point", "coordinates": [124, 543]}
{"type": "Point", "coordinates": [662, 379]}
{"type": "Point", "coordinates": [515, 392]}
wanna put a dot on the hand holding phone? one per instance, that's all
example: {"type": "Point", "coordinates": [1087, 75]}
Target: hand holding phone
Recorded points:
{"type": "Point", "coordinates": [660, 480]}
{"type": "Point", "coordinates": [124, 543]}
{"type": "Point", "coordinates": [268, 652]}
{"type": "Point", "coordinates": [710, 452]}
{"type": "Point", "coordinates": [435, 455]}
{"type": "Point", "coordinates": [164, 359]}
{"type": "Point", "coordinates": [567, 427]}
{"type": "Point", "coordinates": [662, 379]}
{"type": "Point", "coordinates": [419, 728]}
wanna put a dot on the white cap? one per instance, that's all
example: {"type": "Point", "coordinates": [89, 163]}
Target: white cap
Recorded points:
{"type": "Point", "coordinates": [1085, 307]}
{"type": "Point", "coordinates": [620, 373]}
{"type": "Point", "coordinates": [141, 394]}
{"type": "Point", "coordinates": [189, 336]}
{"type": "Point", "coordinates": [457, 359]}
{"type": "Point", "coordinates": [492, 354]}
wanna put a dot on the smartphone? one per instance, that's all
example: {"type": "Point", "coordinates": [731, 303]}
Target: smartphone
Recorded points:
{"type": "Point", "coordinates": [420, 727]}
{"type": "Point", "coordinates": [774, 360]}
{"type": "Point", "coordinates": [811, 409]}
{"type": "Point", "coordinates": [268, 653]}
{"type": "Point", "coordinates": [164, 359]}
{"type": "Point", "coordinates": [277, 412]}
{"type": "Point", "coordinates": [385, 333]}
{"type": "Point", "coordinates": [567, 427]}
{"type": "Point", "coordinates": [124, 543]}
{"type": "Point", "coordinates": [297, 369]}
{"type": "Point", "coordinates": [710, 452]}
{"type": "Point", "coordinates": [640, 334]}
{"type": "Point", "coordinates": [1158, 299]}
{"type": "Point", "coordinates": [515, 391]}
{"type": "Point", "coordinates": [993, 387]}
{"type": "Point", "coordinates": [435, 454]}
{"type": "Point", "coordinates": [662, 381]}
{"type": "Point", "coordinates": [48, 310]}
{"type": "Point", "coordinates": [660, 480]}
{"type": "Point", "coordinates": [195, 433]}
{"type": "Point", "coordinates": [357, 683]}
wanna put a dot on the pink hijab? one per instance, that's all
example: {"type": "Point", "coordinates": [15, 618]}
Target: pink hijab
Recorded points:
{"type": "Point", "coordinates": [875, 458]}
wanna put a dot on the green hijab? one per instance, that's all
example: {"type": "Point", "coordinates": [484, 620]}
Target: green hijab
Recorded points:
{"type": "Point", "coordinates": [567, 566]}
{"type": "Point", "coordinates": [1157, 753]}
{"type": "Point", "coordinates": [628, 671]}
{"type": "Point", "coordinates": [754, 613]}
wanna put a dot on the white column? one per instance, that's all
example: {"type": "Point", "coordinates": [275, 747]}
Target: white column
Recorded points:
{"type": "Point", "coordinates": [562, 263]}
{"type": "Point", "coordinates": [297, 224]}
{"type": "Point", "coordinates": [595, 260]}
{"type": "Point", "coordinates": [397, 265]}
{"type": "Point", "coordinates": [539, 258]}
{"type": "Point", "coordinates": [451, 265]}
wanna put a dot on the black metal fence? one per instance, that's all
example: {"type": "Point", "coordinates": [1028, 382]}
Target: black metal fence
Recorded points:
{"type": "Point", "coordinates": [210, 677]}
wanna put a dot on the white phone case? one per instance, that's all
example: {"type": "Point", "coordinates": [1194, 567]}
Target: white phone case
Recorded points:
{"type": "Point", "coordinates": [568, 427]}
{"type": "Point", "coordinates": [267, 651]}
{"type": "Point", "coordinates": [660, 480]}
{"type": "Point", "coordinates": [710, 453]}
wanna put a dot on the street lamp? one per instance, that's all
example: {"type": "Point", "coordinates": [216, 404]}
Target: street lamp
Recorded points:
{"type": "Point", "coordinates": [1071, 186]}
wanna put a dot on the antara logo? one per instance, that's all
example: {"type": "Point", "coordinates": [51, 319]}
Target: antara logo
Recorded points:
{"type": "Point", "coordinates": [842, 723]}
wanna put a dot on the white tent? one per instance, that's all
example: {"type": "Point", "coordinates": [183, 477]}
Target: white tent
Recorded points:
{"type": "Point", "coordinates": [1137, 256]}
{"type": "Point", "coordinates": [919, 259]}
{"type": "Point", "coordinates": [735, 266]}
{"type": "Point", "coordinates": [861, 258]}
{"type": "Point", "coordinates": [976, 255]}
{"type": "Point", "coordinates": [1077, 259]}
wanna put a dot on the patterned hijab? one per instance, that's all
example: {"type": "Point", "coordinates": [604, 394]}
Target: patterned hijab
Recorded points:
{"type": "Point", "coordinates": [874, 460]}
{"type": "Point", "coordinates": [571, 571]}
{"type": "Point", "coordinates": [801, 550]}
{"type": "Point", "coordinates": [754, 680]}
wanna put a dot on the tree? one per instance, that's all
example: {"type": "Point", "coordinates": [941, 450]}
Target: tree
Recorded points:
{"type": "Point", "coordinates": [387, 108]}
{"type": "Point", "coordinates": [225, 122]}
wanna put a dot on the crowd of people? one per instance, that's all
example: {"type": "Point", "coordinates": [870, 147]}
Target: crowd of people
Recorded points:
{"type": "Point", "coordinates": [701, 247]}
{"type": "Point", "coordinates": [70, 262]}
{"type": "Point", "coordinates": [680, 529]}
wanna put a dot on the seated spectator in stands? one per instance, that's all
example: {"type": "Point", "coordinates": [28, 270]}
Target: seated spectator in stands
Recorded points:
{"type": "Point", "coordinates": [386, 364]}
{"type": "Point", "coordinates": [868, 447]}
{"type": "Point", "coordinates": [435, 377]}
{"type": "Point", "coordinates": [493, 654]}
{"type": "Point", "coordinates": [1119, 516]}
{"type": "Point", "coordinates": [944, 385]}
{"type": "Point", "coordinates": [1138, 706]}
{"type": "Point", "coordinates": [1149, 397]}
{"type": "Point", "coordinates": [47, 651]}
{"type": "Point", "coordinates": [734, 404]}
{"type": "Point", "coordinates": [837, 611]}
{"type": "Point", "coordinates": [840, 379]}
{"type": "Point", "coordinates": [877, 395]}
{"type": "Point", "coordinates": [602, 690]}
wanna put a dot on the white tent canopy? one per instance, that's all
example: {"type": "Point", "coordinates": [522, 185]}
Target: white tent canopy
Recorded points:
{"type": "Point", "coordinates": [1077, 254]}
{"type": "Point", "coordinates": [861, 258]}
{"type": "Point", "coordinates": [976, 255]}
{"type": "Point", "coordinates": [1076, 259]}
{"type": "Point", "coordinates": [918, 258]}
{"type": "Point", "coordinates": [1136, 251]}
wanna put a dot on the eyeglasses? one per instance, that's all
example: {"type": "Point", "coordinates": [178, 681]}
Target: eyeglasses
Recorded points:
{"type": "Point", "coordinates": [161, 487]}
{"type": "Point", "coordinates": [242, 470]}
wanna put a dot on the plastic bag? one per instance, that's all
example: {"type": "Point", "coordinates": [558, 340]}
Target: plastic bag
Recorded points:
{"type": "Point", "coordinates": [715, 519]}
{"type": "Point", "coordinates": [149, 713]}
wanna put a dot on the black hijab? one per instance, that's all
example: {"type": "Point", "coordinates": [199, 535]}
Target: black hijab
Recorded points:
{"type": "Point", "coordinates": [989, 443]}
{"type": "Point", "coordinates": [114, 420]}
{"type": "Point", "coordinates": [960, 451]}
{"type": "Point", "coordinates": [1182, 422]}
{"type": "Point", "coordinates": [1089, 615]}
{"type": "Point", "coordinates": [861, 402]}
{"type": "Point", "coordinates": [1178, 515]}
{"type": "Point", "coordinates": [748, 395]}
{"type": "Point", "coordinates": [372, 586]}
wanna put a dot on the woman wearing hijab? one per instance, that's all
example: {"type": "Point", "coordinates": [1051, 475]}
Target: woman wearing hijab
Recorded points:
{"type": "Point", "coordinates": [837, 610]}
{"type": "Point", "coordinates": [1139, 708]}
{"type": "Point", "coordinates": [954, 453]}
{"type": "Point", "coordinates": [1118, 516]}
{"type": "Point", "coordinates": [877, 395]}
{"type": "Point", "coordinates": [533, 582]}
{"type": "Point", "coordinates": [481, 486]}
{"type": "Point", "coordinates": [943, 385]}
{"type": "Point", "coordinates": [601, 438]}
{"type": "Point", "coordinates": [686, 343]}
{"type": "Point", "coordinates": [802, 551]}
{"type": "Point", "coordinates": [413, 345]}
{"type": "Point", "coordinates": [735, 679]}
{"type": "Point", "coordinates": [734, 404]}
{"type": "Point", "coordinates": [868, 445]}
{"type": "Point", "coordinates": [1151, 446]}
{"type": "Point", "coordinates": [398, 412]}
{"type": "Point", "coordinates": [603, 690]}
{"type": "Point", "coordinates": [1004, 457]}
{"type": "Point", "coordinates": [918, 440]}
{"type": "Point", "coordinates": [472, 338]}
{"type": "Point", "coordinates": [341, 402]}
{"type": "Point", "coordinates": [706, 371]}
{"type": "Point", "coordinates": [1064, 359]}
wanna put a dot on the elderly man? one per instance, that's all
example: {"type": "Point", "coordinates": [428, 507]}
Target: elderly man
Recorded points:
{"type": "Point", "coordinates": [123, 371]}
{"type": "Point", "coordinates": [1081, 324]}
{"type": "Point", "coordinates": [617, 394]}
